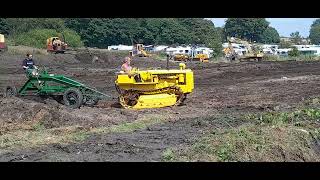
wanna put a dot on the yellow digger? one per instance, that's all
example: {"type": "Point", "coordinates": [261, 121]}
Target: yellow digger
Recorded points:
{"type": "Point", "coordinates": [181, 57]}
{"type": "Point", "coordinates": [199, 55]}
{"type": "Point", "coordinates": [138, 50]}
{"type": "Point", "coordinates": [253, 52]}
{"type": "Point", "coordinates": [154, 88]}
{"type": "Point", "coordinates": [56, 45]}
{"type": "Point", "coordinates": [195, 55]}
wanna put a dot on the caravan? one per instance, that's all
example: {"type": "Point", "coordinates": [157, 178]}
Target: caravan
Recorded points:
{"type": "Point", "coordinates": [283, 52]}
{"type": "Point", "coordinates": [308, 49]}
{"type": "Point", "coordinates": [120, 48]}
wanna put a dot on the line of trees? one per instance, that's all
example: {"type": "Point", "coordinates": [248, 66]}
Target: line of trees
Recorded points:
{"type": "Point", "coordinates": [102, 32]}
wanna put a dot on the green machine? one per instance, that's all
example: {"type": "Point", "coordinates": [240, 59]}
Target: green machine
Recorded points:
{"type": "Point", "coordinates": [72, 93]}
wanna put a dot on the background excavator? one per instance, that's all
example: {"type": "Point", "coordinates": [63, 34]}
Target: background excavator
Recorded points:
{"type": "Point", "coordinates": [56, 45]}
{"type": "Point", "coordinates": [194, 55]}
{"type": "Point", "coordinates": [138, 50]}
{"type": "Point", "coordinates": [253, 52]}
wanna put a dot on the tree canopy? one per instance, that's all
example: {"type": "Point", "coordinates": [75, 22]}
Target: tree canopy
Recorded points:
{"type": "Point", "coordinates": [316, 23]}
{"type": "Point", "coordinates": [270, 35]}
{"type": "Point", "coordinates": [315, 32]}
{"type": "Point", "coordinates": [296, 37]}
{"type": "Point", "coordinates": [250, 29]}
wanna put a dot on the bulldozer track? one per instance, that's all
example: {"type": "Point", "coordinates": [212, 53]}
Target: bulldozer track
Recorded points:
{"type": "Point", "coordinates": [129, 94]}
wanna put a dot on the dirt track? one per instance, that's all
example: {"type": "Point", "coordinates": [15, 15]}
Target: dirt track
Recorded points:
{"type": "Point", "coordinates": [220, 89]}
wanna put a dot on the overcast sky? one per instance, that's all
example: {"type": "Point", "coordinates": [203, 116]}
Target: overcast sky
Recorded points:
{"type": "Point", "coordinates": [284, 26]}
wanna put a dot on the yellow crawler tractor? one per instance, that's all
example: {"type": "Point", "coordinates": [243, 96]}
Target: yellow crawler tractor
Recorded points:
{"type": "Point", "coordinates": [254, 52]}
{"type": "Point", "coordinates": [154, 88]}
{"type": "Point", "coordinates": [181, 57]}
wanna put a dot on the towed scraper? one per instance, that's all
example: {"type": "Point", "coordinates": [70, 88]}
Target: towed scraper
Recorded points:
{"type": "Point", "coordinates": [72, 93]}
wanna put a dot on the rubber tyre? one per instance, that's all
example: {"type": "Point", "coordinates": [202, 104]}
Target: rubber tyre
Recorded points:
{"type": "Point", "coordinates": [77, 98]}
{"type": "Point", "coordinates": [10, 91]}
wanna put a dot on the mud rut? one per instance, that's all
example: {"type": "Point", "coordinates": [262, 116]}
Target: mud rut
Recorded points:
{"type": "Point", "coordinates": [224, 89]}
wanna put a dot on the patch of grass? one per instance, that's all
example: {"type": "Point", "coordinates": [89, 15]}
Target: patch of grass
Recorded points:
{"type": "Point", "coordinates": [268, 136]}
{"type": "Point", "coordinates": [305, 114]}
{"type": "Point", "coordinates": [252, 143]}
{"type": "Point", "coordinates": [288, 58]}
{"type": "Point", "coordinates": [25, 139]}
{"type": "Point", "coordinates": [168, 155]}
{"type": "Point", "coordinates": [38, 127]}
{"type": "Point", "coordinates": [38, 37]}
{"type": "Point", "coordinates": [23, 50]}
{"type": "Point", "coordinates": [79, 136]}
{"type": "Point", "coordinates": [159, 56]}
{"type": "Point", "coordinates": [132, 126]}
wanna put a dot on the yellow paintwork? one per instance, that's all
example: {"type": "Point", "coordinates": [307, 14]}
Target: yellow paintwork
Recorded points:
{"type": "Point", "coordinates": [152, 80]}
{"type": "Point", "coordinates": [49, 40]}
{"type": "Point", "coordinates": [140, 50]}
{"type": "Point", "coordinates": [198, 57]}
{"type": "Point", "coordinates": [252, 53]}
{"type": "Point", "coordinates": [155, 101]}
{"type": "Point", "coordinates": [181, 57]}
{"type": "Point", "coordinates": [202, 57]}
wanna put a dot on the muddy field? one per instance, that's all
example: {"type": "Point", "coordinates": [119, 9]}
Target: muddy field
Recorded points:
{"type": "Point", "coordinates": [221, 90]}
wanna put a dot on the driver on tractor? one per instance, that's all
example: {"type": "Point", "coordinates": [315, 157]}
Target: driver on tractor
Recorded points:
{"type": "Point", "coordinates": [126, 68]}
{"type": "Point", "coordinates": [29, 65]}
{"type": "Point", "coordinates": [126, 65]}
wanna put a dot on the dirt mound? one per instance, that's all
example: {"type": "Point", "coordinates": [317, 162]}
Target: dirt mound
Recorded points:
{"type": "Point", "coordinates": [27, 112]}
{"type": "Point", "coordinates": [16, 113]}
